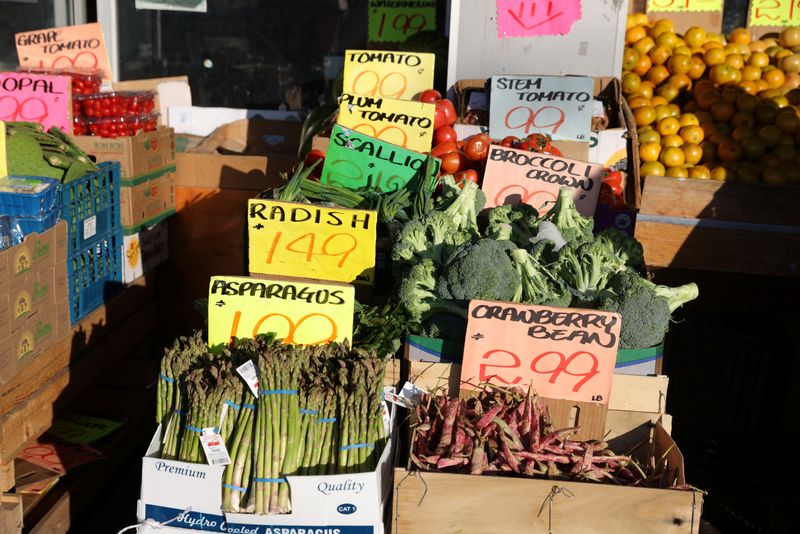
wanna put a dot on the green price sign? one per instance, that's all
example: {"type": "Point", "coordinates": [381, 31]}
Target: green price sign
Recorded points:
{"type": "Point", "coordinates": [396, 20]}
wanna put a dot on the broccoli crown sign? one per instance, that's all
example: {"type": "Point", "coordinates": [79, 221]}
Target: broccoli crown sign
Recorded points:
{"type": "Point", "coordinates": [356, 160]}
{"type": "Point", "coordinates": [564, 353]}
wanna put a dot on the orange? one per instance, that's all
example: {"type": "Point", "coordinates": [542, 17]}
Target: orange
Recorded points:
{"type": "Point", "coordinates": [669, 125]}
{"type": "Point", "coordinates": [636, 19]}
{"type": "Point", "coordinates": [681, 81]}
{"type": "Point", "coordinates": [668, 92]}
{"type": "Point", "coordinates": [688, 119]}
{"type": "Point", "coordinates": [770, 134]}
{"type": "Point", "coordinates": [787, 122]}
{"type": "Point", "coordinates": [722, 110]}
{"type": "Point", "coordinates": [650, 136]}
{"type": "Point", "coordinates": [723, 73]}
{"type": "Point", "coordinates": [645, 89]}
{"type": "Point", "coordinates": [695, 36]}
{"type": "Point", "coordinates": [644, 115]}
{"type": "Point", "coordinates": [652, 168]}
{"type": "Point", "coordinates": [714, 56]}
{"type": "Point", "coordinates": [730, 94]}
{"type": "Point", "coordinates": [692, 134]}
{"type": "Point", "coordinates": [774, 78]}
{"type": "Point", "coordinates": [677, 172]}
{"type": "Point", "coordinates": [729, 151]}
{"type": "Point", "coordinates": [672, 156]}
{"type": "Point", "coordinates": [671, 140]}
{"type": "Point", "coordinates": [723, 128]}
{"type": "Point", "coordinates": [746, 103]}
{"type": "Point", "coordinates": [643, 65]}
{"type": "Point", "coordinates": [748, 87]}
{"type": "Point", "coordinates": [769, 160]}
{"type": "Point", "coordinates": [790, 37]}
{"type": "Point", "coordinates": [668, 39]}
{"type": "Point", "coordinates": [786, 154]}
{"type": "Point", "coordinates": [630, 57]}
{"type": "Point", "coordinates": [638, 101]}
{"type": "Point", "coordinates": [741, 119]}
{"type": "Point", "coordinates": [709, 152]}
{"type": "Point", "coordinates": [690, 107]}
{"type": "Point", "coordinates": [779, 101]}
{"type": "Point", "coordinates": [741, 133]}
{"type": "Point", "coordinates": [630, 82]}
{"type": "Point", "coordinates": [700, 172]}
{"type": "Point", "coordinates": [748, 172]}
{"type": "Point", "coordinates": [707, 99]}
{"type": "Point", "coordinates": [757, 46]}
{"type": "Point", "coordinates": [761, 85]}
{"type": "Point", "coordinates": [697, 68]}
{"type": "Point", "coordinates": [702, 86]}
{"type": "Point", "coordinates": [657, 74]}
{"type": "Point", "coordinates": [703, 116]}
{"type": "Point", "coordinates": [658, 101]}
{"type": "Point", "coordinates": [643, 46]}
{"type": "Point", "coordinates": [682, 50]}
{"type": "Point", "coordinates": [679, 64]}
{"type": "Point", "coordinates": [753, 148]}
{"type": "Point", "coordinates": [693, 154]}
{"type": "Point", "coordinates": [674, 110]}
{"type": "Point", "coordinates": [709, 129]}
{"type": "Point", "coordinates": [659, 54]}
{"type": "Point", "coordinates": [735, 61]}
{"type": "Point", "coordinates": [634, 34]}
{"type": "Point", "coordinates": [740, 35]}
{"type": "Point", "coordinates": [649, 151]}
{"type": "Point", "coordinates": [662, 112]}
{"type": "Point", "coordinates": [758, 59]}
{"type": "Point", "coordinates": [750, 73]}
{"type": "Point", "coordinates": [773, 176]}
{"type": "Point", "coordinates": [766, 113]}
{"type": "Point", "coordinates": [721, 174]}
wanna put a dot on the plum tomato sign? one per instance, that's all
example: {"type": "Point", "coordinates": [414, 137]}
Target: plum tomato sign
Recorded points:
{"type": "Point", "coordinates": [564, 353]}
{"type": "Point", "coordinates": [303, 313]}
{"type": "Point", "coordinates": [400, 122]}
{"type": "Point", "coordinates": [560, 106]}
{"type": "Point", "coordinates": [39, 98]}
{"type": "Point", "coordinates": [520, 177]}
{"type": "Point", "coordinates": [401, 75]}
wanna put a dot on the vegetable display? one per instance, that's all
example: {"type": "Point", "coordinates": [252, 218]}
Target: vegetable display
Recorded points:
{"type": "Point", "coordinates": [31, 151]}
{"type": "Point", "coordinates": [318, 411]}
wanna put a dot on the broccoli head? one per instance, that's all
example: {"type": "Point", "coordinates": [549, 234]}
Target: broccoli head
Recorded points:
{"type": "Point", "coordinates": [480, 270]}
{"type": "Point", "coordinates": [417, 293]}
{"type": "Point", "coordinates": [523, 219]}
{"type": "Point", "coordinates": [538, 285]}
{"type": "Point", "coordinates": [426, 238]}
{"type": "Point", "coordinates": [586, 269]}
{"type": "Point", "coordinates": [462, 202]}
{"type": "Point", "coordinates": [625, 247]}
{"type": "Point", "coordinates": [645, 307]}
{"type": "Point", "coordinates": [573, 226]}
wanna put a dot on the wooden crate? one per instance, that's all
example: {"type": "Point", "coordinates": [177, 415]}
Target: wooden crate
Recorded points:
{"type": "Point", "coordinates": [10, 513]}
{"type": "Point", "coordinates": [720, 226]}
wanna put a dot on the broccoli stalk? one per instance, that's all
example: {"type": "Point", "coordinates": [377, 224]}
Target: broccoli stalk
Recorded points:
{"type": "Point", "coordinates": [677, 296]}
{"type": "Point", "coordinates": [573, 226]}
{"type": "Point", "coordinates": [522, 218]}
{"type": "Point", "coordinates": [538, 286]}
{"type": "Point", "coordinates": [417, 293]}
{"type": "Point", "coordinates": [461, 205]}
{"type": "Point", "coordinates": [626, 248]}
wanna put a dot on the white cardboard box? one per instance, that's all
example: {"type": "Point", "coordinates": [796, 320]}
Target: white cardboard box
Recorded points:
{"type": "Point", "coordinates": [144, 250]}
{"type": "Point", "coordinates": [331, 504]}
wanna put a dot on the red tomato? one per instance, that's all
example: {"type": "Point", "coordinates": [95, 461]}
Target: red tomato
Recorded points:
{"type": "Point", "coordinates": [443, 148]}
{"type": "Point", "coordinates": [554, 151]}
{"type": "Point", "coordinates": [511, 141]}
{"type": "Point", "coordinates": [431, 96]}
{"type": "Point", "coordinates": [439, 117]}
{"type": "Point", "coordinates": [525, 144]}
{"type": "Point", "coordinates": [443, 135]}
{"type": "Point", "coordinates": [468, 175]}
{"type": "Point", "coordinates": [450, 162]}
{"type": "Point", "coordinates": [613, 178]}
{"type": "Point", "coordinates": [610, 198]}
{"type": "Point", "coordinates": [477, 147]}
{"type": "Point", "coordinates": [449, 111]}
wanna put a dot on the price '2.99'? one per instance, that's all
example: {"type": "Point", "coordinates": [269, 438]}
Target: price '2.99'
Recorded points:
{"type": "Point", "coordinates": [339, 245]}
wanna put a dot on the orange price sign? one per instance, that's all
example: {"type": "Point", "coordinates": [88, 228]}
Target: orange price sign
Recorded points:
{"type": "Point", "coordinates": [774, 13]}
{"type": "Point", "coordinates": [401, 75]}
{"type": "Point", "coordinates": [302, 313]}
{"type": "Point", "coordinates": [520, 177]}
{"type": "Point", "coordinates": [292, 239]}
{"type": "Point", "coordinates": [68, 47]}
{"type": "Point", "coordinates": [564, 353]}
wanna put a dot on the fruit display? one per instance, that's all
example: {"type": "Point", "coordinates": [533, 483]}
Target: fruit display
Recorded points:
{"type": "Point", "coordinates": [84, 81]}
{"type": "Point", "coordinates": [115, 126]}
{"type": "Point", "coordinates": [708, 106]}
{"type": "Point", "coordinates": [116, 104]}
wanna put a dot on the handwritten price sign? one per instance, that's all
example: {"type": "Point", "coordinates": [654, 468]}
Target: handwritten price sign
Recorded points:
{"type": "Point", "coordinates": [560, 106]}
{"type": "Point", "coordinates": [395, 20]}
{"type": "Point", "coordinates": [520, 177]}
{"type": "Point", "coordinates": [297, 312]}
{"type": "Point", "coordinates": [565, 353]}
{"type": "Point", "coordinates": [774, 13]}
{"type": "Point", "coordinates": [681, 6]}
{"type": "Point", "coordinates": [400, 122]}
{"type": "Point", "coordinates": [525, 18]}
{"type": "Point", "coordinates": [64, 48]}
{"type": "Point", "coordinates": [36, 98]}
{"type": "Point", "coordinates": [290, 239]}
{"type": "Point", "coordinates": [356, 160]}
{"type": "Point", "coordinates": [400, 75]}
{"type": "Point", "coordinates": [58, 455]}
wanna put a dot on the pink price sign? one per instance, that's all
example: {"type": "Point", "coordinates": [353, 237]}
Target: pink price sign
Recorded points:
{"type": "Point", "coordinates": [528, 18]}
{"type": "Point", "coordinates": [40, 98]}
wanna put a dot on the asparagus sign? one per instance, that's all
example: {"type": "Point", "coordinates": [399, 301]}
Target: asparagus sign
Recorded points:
{"type": "Point", "coordinates": [564, 353]}
{"type": "Point", "coordinates": [302, 313]}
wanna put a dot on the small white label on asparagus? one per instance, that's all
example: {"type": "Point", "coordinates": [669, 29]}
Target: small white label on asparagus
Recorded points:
{"type": "Point", "coordinates": [387, 421]}
{"type": "Point", "coordinates": [248, 372]}
{"type": "Point", "coordinates": [223, 413]}
{"type": "Point", "coordinates": [214, 447]}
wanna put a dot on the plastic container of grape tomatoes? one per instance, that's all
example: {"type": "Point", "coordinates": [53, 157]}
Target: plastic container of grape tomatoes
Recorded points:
{"type": "Point", "coordinates": [119, 126]}
{"type": "Point", "coordinates": [116, 104]}
{"type": "Point", "coordinates": [84, 81]}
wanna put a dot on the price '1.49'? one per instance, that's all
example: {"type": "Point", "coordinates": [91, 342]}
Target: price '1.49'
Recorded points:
{"type": "Point", "coordinates": [307, 245]}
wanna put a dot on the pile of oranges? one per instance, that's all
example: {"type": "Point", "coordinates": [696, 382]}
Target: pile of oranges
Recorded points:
{"type": "Point", "coordinates": [708, 107]}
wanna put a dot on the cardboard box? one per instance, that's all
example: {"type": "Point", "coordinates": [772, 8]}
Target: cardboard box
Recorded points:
{"type": "Point", "coordinates": [34, 334]}
{"type": "Point", "coordinates": [147, 199]}
{"type": "Point", "coordinates": [138, 154]}
{"type": "Point", "coordinates": [37, 253]}
{"type": "Point", "coordinates": [170, 91]}
{"type": "Point", "coordinates": [33, 293]}
{"type": "Point", "coordinates": [333, 503]}
{"type": "Point", "coordinates": [143, 251]}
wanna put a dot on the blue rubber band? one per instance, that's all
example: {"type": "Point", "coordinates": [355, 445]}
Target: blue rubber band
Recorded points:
{"type": "Point", "coordinates": [166, 379]}
{"type": "Point", "coordinates": [177, 411]}
{"type": "Point", "coordinates": [326, 420]}
{"type": "Point", "coordinates": [232, 405]}
{"type": "Point", "coordinates": [270, 480]}
{"type": "Point", "coordinates": [199, 430]}
{"type": "Point", "coordinates": [250, 406]}
{"type": "Point", "coordinates": [278, 392]}
{"type": "Point", "coordinates": [234, 488]}
{"type": "Point", "coordinates": [357, 446]}
{"type": "Point", "coordinates": [308, 412]}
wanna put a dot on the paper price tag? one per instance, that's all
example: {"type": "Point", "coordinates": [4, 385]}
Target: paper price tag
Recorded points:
{"type": "Point", "coordinates": [774, 13]}
{"type": "Point", "coordinates": [249, 374]}
{"type": "Point", "coordinates": [387, 420]}
{"type": "Point", "coordinates": [397, 20]}
{"type": "Point", "coordinates": [401, 75]}
{"type": "Point", "coordinates": [681, 6]}
{"type": "Point", "coordinates": [408, 397]}
{"type": "Point", "coordinates": [40, 98]}
{"type": "Point", "coordinates": [214, 447]}
{"type": "Point", "coordinates": [68, 47]}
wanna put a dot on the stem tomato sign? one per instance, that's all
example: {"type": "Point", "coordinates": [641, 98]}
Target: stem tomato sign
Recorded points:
{"type": "Point", "coordinates": [69, 47]}
{"type": "Point", "coordinates": [401, 75]}
{"type": "Point", "coordinates": [291, 239]}
{"type": "Point", "coordinates": [39, 98]}
{"type": "Point", "coordinates": [564, 353]}
{"type": "Point", "coordinates": [401, 122]}
{"type": "Point", "coordinates": [302, 313]}
{"type": "Point", "coordinates": [559, 106]}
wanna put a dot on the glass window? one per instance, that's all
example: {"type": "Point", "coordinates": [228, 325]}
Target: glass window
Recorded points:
{"type": "Point", "coordinates": [18, 16]}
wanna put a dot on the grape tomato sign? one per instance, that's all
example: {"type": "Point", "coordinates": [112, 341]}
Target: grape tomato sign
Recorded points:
{"type": "Point", "coordinates": [515, 176]}
{"type": "Point", "coordinates": [560, 106]}
{"type": "Point", "coordinates": [683, 6]}
{"type": "Point", "coordinates": [401, 75]}
{"type": "Point", "coordinates": [40, 98]}
{"type": "Point", "coordinates": [303, 313]}
{"type": "Point", "coordinates": [293, 239]}
{"type": "Point", "coordinates": [355, 160]}
{"type": "Point", "coordinates": [68, 47]}
{"type": "Point", "coordinates": [405, 123]}
{"type": "Point", "coordinates": [564, 353]}
{"type": "Point", "coordinates": [528, 18]}
{"type": "Point", "coordinates": [774, 13]}
{"type": "Point", "coordinates": [397, 20]}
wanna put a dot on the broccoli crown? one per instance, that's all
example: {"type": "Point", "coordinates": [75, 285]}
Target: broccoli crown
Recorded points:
{"type": "Point", "coordinates": [523, 219]}
{"type": "Point", "coordinates": [426, 238]}
{"type": "Point", "coordinates": [461, 203]}
{"type": "Point", "coordinates": [417, 288]}
{"type": "Point", "coordinates": [538, 285]}
{"type": "Point", "coordinates": [586, 269]}
{"type": "Point", "coordinates": [645, 315]}
{"type": "Point", "coordinates": [625, 247]}
{"type": "Point", "coordinates": [573, 226]}
{"type": "Point", "coordinates": [480, 270]}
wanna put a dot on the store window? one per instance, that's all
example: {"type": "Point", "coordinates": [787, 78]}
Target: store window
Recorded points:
{"type": "Point", "coordinates": [23, 15]}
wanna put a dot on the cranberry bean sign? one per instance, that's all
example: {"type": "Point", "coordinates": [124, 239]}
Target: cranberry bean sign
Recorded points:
{"type": "Point", "coordinates": [517, 176]}
{"type": "Point", "coordinates": [36, 98]}
{"type": "Point", "coordinates": [68, 47]}
{"type": "Point", "coordinates": [564, 353]}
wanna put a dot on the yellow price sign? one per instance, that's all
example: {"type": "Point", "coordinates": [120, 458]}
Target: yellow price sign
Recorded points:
{"type": "Point", "coordinates": [683, 6]}
{"type": "Point", "coordinates": [774, 13]}
{"type": "Point", "coordinates": [292, 239]}
{"type": "Point", "coordinates": [3, 156]}
{"type": "Point", "coordinates": [301, 313]}
{"type": "Point", "coordinates": [401, 122]}
{"type": "Point", "coordinates": [401, 75]}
